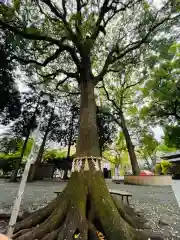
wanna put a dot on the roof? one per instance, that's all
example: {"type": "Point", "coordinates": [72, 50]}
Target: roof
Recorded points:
{"type": "Point", "coordinates": [174, 155]}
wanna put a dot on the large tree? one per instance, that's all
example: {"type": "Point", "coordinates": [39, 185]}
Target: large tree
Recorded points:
{"type": "Point", "coordinates": [83, 40]}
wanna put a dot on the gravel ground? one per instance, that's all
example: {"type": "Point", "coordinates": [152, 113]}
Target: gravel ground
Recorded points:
{"type": "Point", "coordinates": [158, 203]}
{"type": "Point", "coordinates": [159, 206]}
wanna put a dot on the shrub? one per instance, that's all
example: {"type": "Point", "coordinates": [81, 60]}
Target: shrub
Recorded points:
{"type": "Point", "coordinates": [158, 169]}
{"type": "Point", "coordinates": [165, 167]}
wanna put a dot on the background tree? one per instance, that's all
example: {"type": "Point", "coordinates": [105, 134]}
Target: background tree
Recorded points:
{"type": "Point", "coordinates": [106, 129]}
{"type": "Point", "coordinates": [75, 40]}
{"type": "Point", "coordinates": [124, 86]}
{"type": "Point", "coordinates": [10, 105]}
{"type": "Point", "coordinates": [23, 127]}
{"type": "Point", "coordinates": [172, 136]}
{"type": "Point", "coordinates": [148, 149]}
{"type": "Point", "coordinates": [162, 88]}
{"type": "Point", "coordinates": [12, 153]}
{"type": "Point", "coordinates": [117, 154]}
{"type": "Point", "coordinates": [162, 94]}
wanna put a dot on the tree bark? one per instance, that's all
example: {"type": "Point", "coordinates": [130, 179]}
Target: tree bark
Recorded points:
{"type": "Point", "coordinates": [130, 147]}
{"type": "Point", "coordinates": [85, 205]}
{"type": "Point", "coordinates": [35, 166]}
{"type": "Point", "coordinates": [65, 175]}
{"type": "Point", "coordinates": [88, 141]}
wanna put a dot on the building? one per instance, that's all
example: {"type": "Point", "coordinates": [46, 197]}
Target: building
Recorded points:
{"type": "Point", "coordinates": [173, 158]}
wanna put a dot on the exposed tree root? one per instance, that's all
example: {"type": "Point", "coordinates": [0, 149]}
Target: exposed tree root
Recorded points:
{"type": "Point", "coordinates": [52, 235]}
{"type": "Point", "coordinates": [21, 232]}
{"type": "Point", "coordinates": [84, 207]}
{"type": "Point", "coordinates": [129, 215]}
{"type": "Point", "coordinates": [37, 217]}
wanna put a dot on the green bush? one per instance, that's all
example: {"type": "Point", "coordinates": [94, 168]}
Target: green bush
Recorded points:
{"type": "Point", "coordinates": [158, 169]}
{"type": "Point", "coordinates": [163, 168]}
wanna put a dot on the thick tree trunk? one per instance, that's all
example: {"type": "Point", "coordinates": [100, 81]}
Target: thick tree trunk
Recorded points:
{"type": "Point", "coordinates": [88, 141]}
{"type": "Point", "coordinates": [130, 147]}
{"type": "Point", "coordinates": [85, 205]}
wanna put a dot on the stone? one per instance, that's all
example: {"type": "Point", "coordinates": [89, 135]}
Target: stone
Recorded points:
{"type": "Point", "coordinates": [163, 222]}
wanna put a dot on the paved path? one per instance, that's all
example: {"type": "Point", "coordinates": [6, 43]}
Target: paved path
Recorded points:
{"type": "Point", "coordinates": [176, 189]}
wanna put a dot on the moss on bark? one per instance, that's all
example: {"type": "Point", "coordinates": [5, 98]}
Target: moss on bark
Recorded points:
{"type": "Point", "coordinates": [84, 207]}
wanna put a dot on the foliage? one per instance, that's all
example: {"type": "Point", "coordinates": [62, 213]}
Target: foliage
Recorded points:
{"type": "Point", "coordinates": [158, 169]}
{"type": "Point", "coordinates": [162, 88]}
{"type": "Point", "coordinates": [147, 148]}
{"type": "Point", "coordinates": [12, 153]}
{"type": "Point", "coordinates": [58, 158]}
{"type": "Point", "coordinates": [163, 168]}
{"type": "Point", "coordinates": [25, 121]}
{"type": "Point", "coordinates": [14, 148]}
{"type": "Point", "coordinates": [106, 130]}
{"type": "Point", "coordinates": [117, 153]}
{"type": "Point", "coordinates": [10, 105]}
{"type": "Point", "coordinates": [172, 136]}
{"type": "Point", "coordinates": [54, 154]}
{"type": "Point", "coordinates": [9, 145]}
{"type": "Point", "coordinates": [164, 148]}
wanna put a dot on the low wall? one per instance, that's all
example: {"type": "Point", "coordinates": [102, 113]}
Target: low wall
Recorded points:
{"type": "Point", "coordinates": [148, 180]}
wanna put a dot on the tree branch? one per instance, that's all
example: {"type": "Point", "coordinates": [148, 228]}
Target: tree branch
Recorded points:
{"type": "Point", "coordinates": [30, 36]}
{"type": "Point", "coordinates": [112, 117]}
{"type": "Point", "coordinates": [44, 13]}
{"type": "Point", "coordinates": [64, 47]}
{"type": "Point", "coordinates": [43, 64]}
{"type": "Point", "coordinates": [61, 16]}
{"type": "Point", "coordinates": [133, 84]}
{"type": "Point", "coordinates": [61, 82]}
{"type": "Point", "coordinates": [106, 7]}
{"type": "Point", "coordinates": [79, 6]}
{"type": "Point", "coordinates": [111, 59]}
{"type": "Point", "coordinates": [54, 74]}
{"type": "Point", "coordinates": [118, 108]}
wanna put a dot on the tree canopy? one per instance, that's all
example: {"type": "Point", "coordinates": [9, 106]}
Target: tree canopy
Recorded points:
{"type": "Point", "coordinates": [10, 104]}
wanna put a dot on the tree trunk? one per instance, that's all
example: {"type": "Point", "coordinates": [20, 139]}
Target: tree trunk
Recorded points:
{"type": "Point", "coordinates": [153, 159]}
{"type": "Point", "coordinates": [65, 175]}
{"type": "Point", "coordinates": [130, 147]}
{"type": "Point", "coordinates": [88, 141]}
{"type": "Point", "coordinates": [13, 177]}
{"type": "Point", "coordinates": [29, 128]}
{"type": "Point", "coordinates": [85, 205]}
{"type": "Point", "coordinates": [35, 166]}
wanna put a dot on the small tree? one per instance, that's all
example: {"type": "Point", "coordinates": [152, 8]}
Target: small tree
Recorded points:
{"type": "Point", "coordinates": [123, 101]}
{"type": "Point", "coordinates": [117, 154]}
{"type": "Point", "coordinates": [148, 149]}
